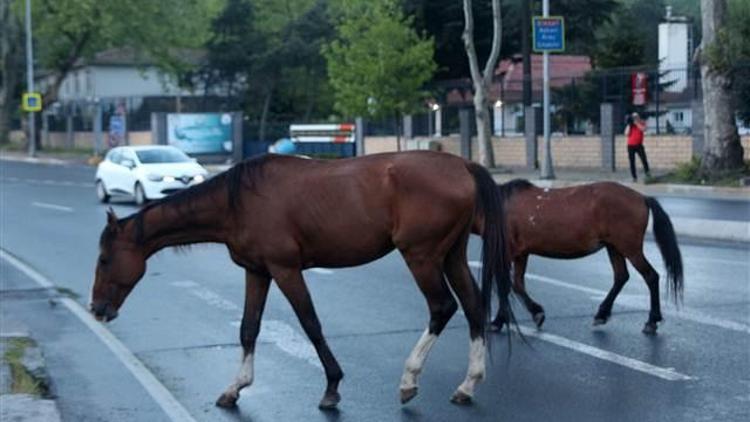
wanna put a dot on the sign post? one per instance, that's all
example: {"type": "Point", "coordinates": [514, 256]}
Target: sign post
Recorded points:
{"type": "Point", "coordinates": [31, 95]}
{"type": "Point", "coordinates": [549, 36]}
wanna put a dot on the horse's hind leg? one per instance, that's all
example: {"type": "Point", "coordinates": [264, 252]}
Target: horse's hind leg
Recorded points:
{"type": "Point", "coordinates": [429, 277]}
{"type": "Point", "coordinates": [651, 277]}
{"type": "Point", "coordinates": [519, 287]}
{"type": "Point", "coordinates": [460, 279]}
{"type": "Point", "coordinates": [256, 290]}
{"type": "Point", "coordinates": [620, 269]}
{"type": "Point", "coordinates": [293, 286]}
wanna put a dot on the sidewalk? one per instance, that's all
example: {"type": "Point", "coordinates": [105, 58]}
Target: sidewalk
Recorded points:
{"type": "Point", "coordinates": [572, 177]}
{"type": "Point", "coordinates": [24, 382]}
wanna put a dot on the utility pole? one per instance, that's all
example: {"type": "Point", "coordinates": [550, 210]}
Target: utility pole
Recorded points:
{"type": "Point", "coordinates": [30, 79]}
{"type": "Point", "coordinates": [547, 171]}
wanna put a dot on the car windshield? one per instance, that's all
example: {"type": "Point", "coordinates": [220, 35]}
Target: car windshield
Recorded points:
{"type": "Point", "coordinates": [151, 156]}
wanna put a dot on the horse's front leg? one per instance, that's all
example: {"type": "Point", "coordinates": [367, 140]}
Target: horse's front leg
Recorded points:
{"type": "Point", "coordinates": [256, 291]}
{"type": "Point", "coordinates": [292, 285]}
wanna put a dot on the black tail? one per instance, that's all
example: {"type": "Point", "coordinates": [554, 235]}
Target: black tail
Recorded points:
{"type": "Point", "coordinates": [670, 251]}
{"type": "Point", "coordinates": [495, 262]}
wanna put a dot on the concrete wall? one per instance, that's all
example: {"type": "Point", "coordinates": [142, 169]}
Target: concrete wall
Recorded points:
{"type": "Point", "coordinates": [664, 152]}
{"type": "Point", "coordinates": [82, 140]}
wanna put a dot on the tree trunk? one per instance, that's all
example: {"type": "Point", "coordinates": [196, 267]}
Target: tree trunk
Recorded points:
{"type": "Point", "coordinates": [264, 113]}
{"type": "Point", "coordinates": [10, 67]}
{"type": "Point", "coordinates": [723, 151]}
{"type": "Point", "coordinates": [482, 80]}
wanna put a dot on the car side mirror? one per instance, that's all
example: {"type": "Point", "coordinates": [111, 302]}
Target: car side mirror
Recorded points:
{"type": "Point", "coordinates": [128, 163]}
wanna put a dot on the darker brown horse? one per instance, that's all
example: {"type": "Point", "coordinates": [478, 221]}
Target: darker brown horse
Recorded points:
{"type": "Point", "coordinates": [278, 215]}
{"type": "Point", "coordinates": [578, 221]}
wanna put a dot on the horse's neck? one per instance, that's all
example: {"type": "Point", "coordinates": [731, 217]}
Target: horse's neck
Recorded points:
{"type": "Point", "coordinates": [169, 224]}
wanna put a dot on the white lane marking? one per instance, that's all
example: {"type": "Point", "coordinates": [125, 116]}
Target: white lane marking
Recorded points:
{"type": "Point", "coordinates": [633, 303]}
{"type": "Point", "coordinates": [52, 206]}
{"type": "Point", "coordinates": [286, 338]}
{"type": "Point", "coordinates": [324, 271]}
{"type": "Point", "coordinates": [207, 295]}
{"type": "Point", "coordinates": [48, 182]}
{"type": "Point", "coordinates": [668, 374]}
{"type": "Point", "coordinates": [279, 333]}
{"type": "Point", "coordinates": [161, 395]}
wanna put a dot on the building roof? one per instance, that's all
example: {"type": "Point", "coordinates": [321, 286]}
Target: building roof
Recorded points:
{"type": "Point", "coordinates": [127, 56]}
{"type": "Point", "coordinates": [508, 79]}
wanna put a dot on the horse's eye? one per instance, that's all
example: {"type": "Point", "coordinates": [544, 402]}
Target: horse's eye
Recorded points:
{"type": "Point", "coordinates": [102, 261]}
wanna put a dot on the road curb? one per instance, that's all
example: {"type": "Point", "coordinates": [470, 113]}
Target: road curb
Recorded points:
{"type": "Point", "coordinates": [729, 231]}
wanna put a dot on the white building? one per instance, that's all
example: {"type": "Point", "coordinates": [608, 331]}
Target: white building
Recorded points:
{"type": "Point", "coordinates": [115, 73]}
{"type": "Point", "coordinates": [675, 51]}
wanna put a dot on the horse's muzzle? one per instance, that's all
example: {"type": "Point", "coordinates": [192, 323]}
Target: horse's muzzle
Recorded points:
{"type": "Point", "coordinates": [103, 311]}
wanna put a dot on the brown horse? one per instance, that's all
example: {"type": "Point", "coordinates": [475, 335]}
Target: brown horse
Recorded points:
{"type": "Point", "coordinates": [578, 221]}
{"type": "Point", "coordinates": [279, 215]}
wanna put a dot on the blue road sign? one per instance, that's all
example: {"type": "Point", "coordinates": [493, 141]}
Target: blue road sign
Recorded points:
{"type": "Point", "coordinates": [549, 33]}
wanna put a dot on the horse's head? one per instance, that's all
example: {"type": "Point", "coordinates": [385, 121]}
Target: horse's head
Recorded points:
{"type": "Point", "coordinates": [120, 266]}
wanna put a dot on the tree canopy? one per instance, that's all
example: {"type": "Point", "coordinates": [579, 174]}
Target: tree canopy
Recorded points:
{"type": "Point", "coordinates": [378, 64]}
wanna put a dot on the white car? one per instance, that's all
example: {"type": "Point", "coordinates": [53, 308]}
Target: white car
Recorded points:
{"type": "Point", "coordinates": [146, 172]}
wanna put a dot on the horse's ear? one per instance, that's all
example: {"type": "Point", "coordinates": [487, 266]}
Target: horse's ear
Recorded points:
{"type": "Point", "coordinates": [112, 218]}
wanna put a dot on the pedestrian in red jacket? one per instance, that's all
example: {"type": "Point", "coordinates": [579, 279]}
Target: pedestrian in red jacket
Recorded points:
{"type": "Point", "coordinates": [634, 131]}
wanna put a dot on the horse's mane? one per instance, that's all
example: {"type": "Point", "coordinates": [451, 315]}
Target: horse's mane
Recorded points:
{"type": "Point", "coordinates": [507, 190]}
{"type": "Point", "coordinates": [243, 175]}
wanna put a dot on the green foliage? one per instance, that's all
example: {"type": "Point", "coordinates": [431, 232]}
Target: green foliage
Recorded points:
{"type": "Point", "coordinates": [21, 381]}
{"type": "Point", "coordinates": [692, 173]}
{"type": "Point", "coordinates": [630, 38]}
{"type": "Point", "coordinates": [68, 30]}
{"type": "Point", "coordinates": [378, 64]}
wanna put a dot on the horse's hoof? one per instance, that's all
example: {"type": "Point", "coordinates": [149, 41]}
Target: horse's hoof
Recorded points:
{"type": "Point", "coordinates": [539, 319]}
{"type": "Point", "coordinates": [461, 398]}
{"type": "Point", "coordinates": [227, 401]}
{"type": "Point", "coordinates": [649, 328]}
{"type": "Point", "coordinates": [329, 401]}
{"type": "Point", "coordinates": [599, 321]}
{"type": "Point", "coordinates": [407, 394]}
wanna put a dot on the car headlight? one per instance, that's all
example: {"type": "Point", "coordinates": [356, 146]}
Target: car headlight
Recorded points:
{"type": "Point", "coordinates": [198, 178]}
{"type": "Point", "coordinates": [154, 177]}
{"type": "Point", "coordinates": [168, 179]}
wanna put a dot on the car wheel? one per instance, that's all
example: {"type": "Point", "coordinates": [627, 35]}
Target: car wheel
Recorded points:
{"type": "Point", "coordinates": [139, 194]}
{"type": "Point", "coordinates": [101, 192]}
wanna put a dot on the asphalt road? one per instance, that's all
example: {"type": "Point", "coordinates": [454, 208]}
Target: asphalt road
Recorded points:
{"type": "Point", "coordinates": [181, 322]}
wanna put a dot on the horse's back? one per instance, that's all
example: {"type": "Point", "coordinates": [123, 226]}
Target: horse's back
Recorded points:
{"type": "Point", "coordinates": [575, 221]}
{"type": "Point", "coordinates": [350, 211]}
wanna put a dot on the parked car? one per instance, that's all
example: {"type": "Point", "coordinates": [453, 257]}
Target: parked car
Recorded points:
{"type": "Point", "coordinates": [146, 172]}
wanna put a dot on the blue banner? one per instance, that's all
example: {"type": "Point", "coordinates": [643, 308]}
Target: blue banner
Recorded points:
{"type": "Point", "coordinates": [200, 133]}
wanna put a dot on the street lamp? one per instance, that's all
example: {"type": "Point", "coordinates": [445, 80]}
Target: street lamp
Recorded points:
{"type": "Point", "coordinates": [435, 108]}
{"type": "Point", "coordinates": [499, 108]}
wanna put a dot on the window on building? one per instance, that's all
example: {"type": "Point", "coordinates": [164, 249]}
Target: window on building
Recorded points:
{"type": "Point", "coordinates": [678, 116]}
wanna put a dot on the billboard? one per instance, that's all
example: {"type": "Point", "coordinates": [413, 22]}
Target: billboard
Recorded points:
{"type": "Point", "coordinates": [200, 133]}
